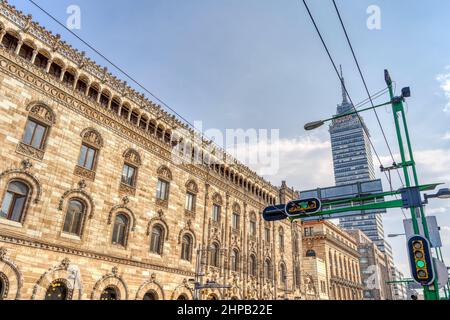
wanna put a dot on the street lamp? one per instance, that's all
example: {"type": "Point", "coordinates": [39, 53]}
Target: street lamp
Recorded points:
{"type": "Point", "coordinates": [393, 235]}
{"type": "Point", "coordinates": [441, 194]}
{"type": "Point", "coordinates": [314, 125]}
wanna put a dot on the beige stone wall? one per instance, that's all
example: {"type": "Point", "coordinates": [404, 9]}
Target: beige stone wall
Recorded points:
{"type": "Point", "coordinates": [338, 250]}
{"type": "Point", "coordinates": [35, 251]}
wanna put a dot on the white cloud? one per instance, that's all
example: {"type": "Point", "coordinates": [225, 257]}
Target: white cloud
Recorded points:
{"type": "Point", "coordinates": [444, 81]}
{"type": "Point", "coordinates": [446, 136]}
{"type": "Point", "coordinates": [305, 162]}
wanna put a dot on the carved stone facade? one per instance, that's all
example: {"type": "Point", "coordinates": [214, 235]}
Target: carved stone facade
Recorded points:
{"type": "Point", "coordinates": [121, 127]}
{"type": "Point", "coordinates": [331, 261]}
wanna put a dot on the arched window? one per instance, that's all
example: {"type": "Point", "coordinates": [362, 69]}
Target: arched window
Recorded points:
{"type": "Point", "coordinates": [14, 201]}
{"type": "Point", "coordinates": [186, 248]}
{"type": "Point", "coordinates": [93, 92]}
{"type": "Point", "coordinates": [234, 260]}
{"type": "Point", "coordinates": [55, 70]}
{"type": "Point", "coordinates": [281, 239]}
{"type": "Point", "coordinates": [26, 52]}
{"type": "Point", "coordinates": [10, 42]}
{"type": "Point", "coordinates": [132, 162]}
{"type": "Point", "coordinates": [267, 269]}
{"type": "Point", "coordinates": [57, 291]}
{"type": "Point", "coordinates": [160, 132]}
{"type": "Point", "coordinates": [41, 61]}
{"type": "Point", "coordinates": [151, 295]}
{"type": "Point", "coordinates": [125, 111]}
{"type": "Point", "coordinates": [283, 274]}
{"type": "Point", "coordinates": [74, 217]}
{"type": "Point", "coordinates": [3, 286]}
{"type": "Point", "coordinates": [81, 86]}
{"type": "Point", "coordinates": [69, 78]}
{"type": "Point", "coordinates": [235, 223]}
{"type": "Point", "coordinates": [157, 239]}
{"type": "Point", "coordinates": [182, 297]}
{"type": "Point", "coordinates": [310, 253]}
{"type": "Point", "coordinates": [162, 190]}
{"type": "Point", "coordinates": [214, 255]}
{"type": "Point", "coordinates": [109, 293]}
{"type": "Point", "coordinates": [216, 213]}
{"type": "Point", "coordinates": [120, 230]}
{"type": "Point", "coordinates": [253, 266]}
{"type": "Point", "coordinates": [92, 142]}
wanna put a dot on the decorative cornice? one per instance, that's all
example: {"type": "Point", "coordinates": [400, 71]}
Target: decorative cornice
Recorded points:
{"type": "Point", "coordinates": [89, 254]}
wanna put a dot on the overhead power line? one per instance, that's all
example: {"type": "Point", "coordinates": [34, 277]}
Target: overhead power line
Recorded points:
{"type": "Point", "coordinates": [138, 83]}
{"type": "Point", "coordinates": [365, 85]}
{"type": "Point", "coordinates": [345, 88]}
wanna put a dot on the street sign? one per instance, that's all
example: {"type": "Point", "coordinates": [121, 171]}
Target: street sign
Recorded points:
{"type": "Point", "coordinates": [275, 213]}
{"type": "Point", "coordinates": [304, 207]}
{"type": "Point", "coordinates": [420, 259]}
{"type": "Point", "coordinates": [433, 230]}
{"type": "Point", "coordinates": [441, 273]}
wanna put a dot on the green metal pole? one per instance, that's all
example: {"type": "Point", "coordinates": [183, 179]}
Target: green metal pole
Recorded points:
{"type": "Point", "coordinates": [397, 107]}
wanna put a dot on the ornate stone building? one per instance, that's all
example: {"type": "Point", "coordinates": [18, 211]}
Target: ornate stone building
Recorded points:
{"type": "Point", "coordinates": [95, 205]}
{"type": "Point", "coordinates": [332, 261]}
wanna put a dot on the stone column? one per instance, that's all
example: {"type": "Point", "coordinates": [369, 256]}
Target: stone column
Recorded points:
{"type": "Point", "coordinates": [49, 64]}
{"type": "Point", "coordinates": [227, 239]}
{"type": "Point", "coordinates": [77, 77]}
{"type": "Point", "coordinates": [19, 46]}
{"type": "Point", "coordinates": [63, 71]}
{"type": "Point", "coordinates": [2, 34]}
{"type": "Point", "coordinates": [33, 58]}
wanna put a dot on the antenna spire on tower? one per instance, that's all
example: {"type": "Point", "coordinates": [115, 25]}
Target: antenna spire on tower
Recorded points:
{"type": "Point", "coordinates": [344, 91]}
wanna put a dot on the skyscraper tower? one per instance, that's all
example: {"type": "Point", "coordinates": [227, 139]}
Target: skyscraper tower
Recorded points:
{"type": "Point", "coordinates": [352, 159]}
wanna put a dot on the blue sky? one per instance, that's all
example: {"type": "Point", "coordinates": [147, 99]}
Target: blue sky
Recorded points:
{"type": "Point", "coordinates": [259, 64]}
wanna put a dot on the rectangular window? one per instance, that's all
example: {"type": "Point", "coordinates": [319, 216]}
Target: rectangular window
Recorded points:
{"type": "Point", "coordinates": [253, 228]}
{"type": "Point", "coordinates": [216, 213]}
{"type": "Point", "coordinates": [162, 190]}
{"type": "Point", "coordinates": [129, 175]}
{"type": "Point", "coordinates": [267, 235]}
{"type": "Point", "coordinates": [235, 221]}
{"type": "Point", "coordinates": [87, 157]}
{"type": "Point", "coordinates": [190, 200]}
{"type": "Point", "coordinates": [35, 134]}
{"type": "Point", "coordinates": [309, 232]}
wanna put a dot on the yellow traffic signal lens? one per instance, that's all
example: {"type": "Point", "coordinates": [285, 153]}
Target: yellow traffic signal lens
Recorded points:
{"type": "Point", "coordinates": [418, 255]}
{"type": "Point", "coordinates": [422, 274]}
{"type": "Point", "coordinates": [417, 245]}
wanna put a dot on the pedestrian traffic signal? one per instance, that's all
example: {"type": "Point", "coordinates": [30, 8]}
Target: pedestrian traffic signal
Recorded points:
{"type": "Point", "coordinates": [420, 260]}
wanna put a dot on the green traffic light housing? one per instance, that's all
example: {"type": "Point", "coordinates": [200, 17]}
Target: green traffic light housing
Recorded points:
{"type": "Point", "coordinates": [420, 260]}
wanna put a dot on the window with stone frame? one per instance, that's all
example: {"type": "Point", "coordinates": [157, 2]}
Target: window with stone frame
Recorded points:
{"type": "Point", "coordinates": [267, 269]}
{"type": "Point", "coordinates": [253, 267]}
{"type": "Point", "coordinates": [10, 42]}
{"type": "Point", "coordinates": [58, 290]}
{"type": "Point", "coordinates": [267, 234]}
{"type": "Point", "coordinates": [75, 215]}
{"type": "Point", "coordinates": [15, 201]}
{"type": "Point", "coordinates": [191, 197]}
{"type": "Point", "coordinates": [91, 144]}
{"type": "Point", "coordinates": [214, 255]}
{"type": "Point", "coordinates": [120, 229]}
{"type": "Point", "coordinates": [163, 186]}
{"type": "Point", "coordinates": [234, 260]}
{"type": "Point", "coordinates": [186, 247]}
{"type": "Point", "coordinates": [157, 239]}
{"type": "Point", "coordinates": [235, 220]}
{"type": "Point", "coordinates": [37, 130]}
{"type": "Point", "coordinates": [128, 181]}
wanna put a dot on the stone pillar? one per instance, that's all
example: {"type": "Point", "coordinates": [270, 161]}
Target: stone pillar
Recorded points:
{"type": "Point", "coordinates": [227, 239]}
{"type": "Point", "coordinates": [19, 46]}
{"type": "Point", "coordinates": [77, 77]}
{"type": "Point", "coordinates": [49, 64]}
{"type": "Point", "coordinates": [109, 103]}
{"type": "Point", "coordinates": [63, 71]}
{"type": "Point", "coordinates": [2, 34]}
{"type": "Point", "coordinates": [33, 58]}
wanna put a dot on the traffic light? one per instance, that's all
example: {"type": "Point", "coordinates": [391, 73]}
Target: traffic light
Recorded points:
{"type": "Point", "coordinates": [420, 260]}
{"type": "Point", "coordinates": [303, 208]}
